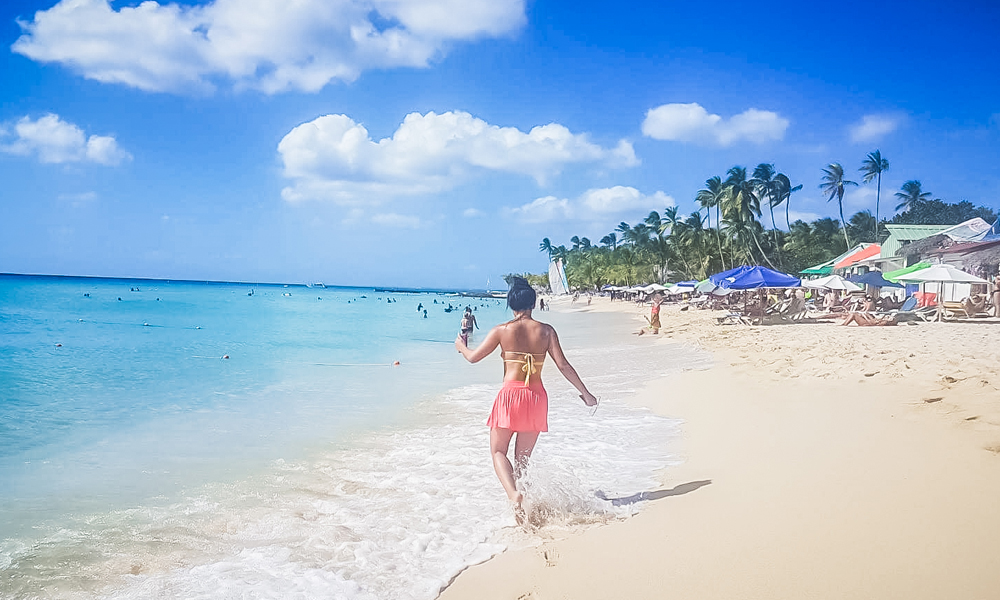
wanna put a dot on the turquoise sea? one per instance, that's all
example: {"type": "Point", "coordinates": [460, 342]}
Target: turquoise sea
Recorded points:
{"type": "Point", "coordinates": [165, 439]}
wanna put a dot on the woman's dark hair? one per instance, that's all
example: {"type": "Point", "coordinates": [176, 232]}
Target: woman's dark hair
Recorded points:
{"type": "Point", "coordinates": [521, 295]}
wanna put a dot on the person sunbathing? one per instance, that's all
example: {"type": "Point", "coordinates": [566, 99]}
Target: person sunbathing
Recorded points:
{"type": "Point", "coordinates": [863, 319]}
{"type": "Point", "coordinates": [974, 305]}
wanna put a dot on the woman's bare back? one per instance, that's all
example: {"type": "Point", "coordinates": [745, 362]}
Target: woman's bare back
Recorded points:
{"type": "Point", "coordinates": [519, 338]}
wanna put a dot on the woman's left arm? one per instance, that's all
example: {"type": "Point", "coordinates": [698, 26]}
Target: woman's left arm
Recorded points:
{"type": "Point", "coordinates": [490, 343]}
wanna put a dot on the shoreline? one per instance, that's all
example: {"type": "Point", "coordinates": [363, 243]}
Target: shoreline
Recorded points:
{"type": "Point", "coordinates": [819, 461]}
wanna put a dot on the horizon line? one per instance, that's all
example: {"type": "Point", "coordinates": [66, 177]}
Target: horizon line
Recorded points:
{"type": "Point", "coordinates": [385, 288]}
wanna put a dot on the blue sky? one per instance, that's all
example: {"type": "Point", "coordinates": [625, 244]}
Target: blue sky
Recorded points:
{"type": "Point", "coordinates": [434, 143]}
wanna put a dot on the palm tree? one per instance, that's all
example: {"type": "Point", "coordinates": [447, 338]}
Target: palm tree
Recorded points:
{"type": "Point", "coordinates": [692, 244]}
{"type": "Point", "coordinates": [669, 220]}
{"type": "Point", "coordinates": [763, 182]}
{"type": "Point", "coordinates": [783, 194]}
{"type": "Point", "coordinates": [546, 246]}
{"type": "Point", "coordinates": [833, 186]}
{"type": "Point", "coordinates": [763, 179]}
{"type": "Point", "coordinates": [711, 196]}
{"type": "Point", "coordinates": [861, 224]}
{"type": "Point", "coordinates": [624, 229]}
{"type": "Point", "coordinates": [610, 240]}
{"type": "Point", "coordinates": [911, 195]}
{"type": "Point", "coordinates": [743, 204]}
{"type": "Point", "coordinates": [872, 168]}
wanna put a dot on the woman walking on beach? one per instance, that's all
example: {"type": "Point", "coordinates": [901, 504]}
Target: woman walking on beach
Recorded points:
{"type": "Point", "coordinates": [521, 407]}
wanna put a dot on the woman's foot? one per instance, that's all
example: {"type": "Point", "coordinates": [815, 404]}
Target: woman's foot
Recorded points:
{"type": "Point", "coordinates": [517, 505]}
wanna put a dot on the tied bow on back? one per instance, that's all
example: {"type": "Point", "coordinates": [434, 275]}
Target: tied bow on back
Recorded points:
{"type": "Point", "coordinates": [529, 367]}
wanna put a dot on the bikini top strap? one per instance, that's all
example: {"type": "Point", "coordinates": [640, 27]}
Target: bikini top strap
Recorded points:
{"type": "Point", "coordinates": [528, 364]}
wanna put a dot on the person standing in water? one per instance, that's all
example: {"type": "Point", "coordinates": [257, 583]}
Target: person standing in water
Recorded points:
{"type": "Point", "coordinates": [466, 330]}
{"type": "Point", "coordinates": [521, 407]}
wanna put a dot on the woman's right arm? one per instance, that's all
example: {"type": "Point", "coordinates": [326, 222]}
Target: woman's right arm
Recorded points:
{"type": "Point", "coordinates": [490, 343]}
{"type": "Point", "coordinates": [555, 351]}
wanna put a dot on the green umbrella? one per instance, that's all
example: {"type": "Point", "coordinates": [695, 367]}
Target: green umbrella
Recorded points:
{"type": "Point", "coordinates": [894, 276]}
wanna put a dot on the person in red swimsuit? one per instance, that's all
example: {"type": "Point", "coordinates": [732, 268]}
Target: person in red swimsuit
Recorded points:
{"type": "Point", "coordinates": [521, 407]}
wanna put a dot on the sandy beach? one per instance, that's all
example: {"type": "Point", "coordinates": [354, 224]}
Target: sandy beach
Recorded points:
{"type": "Point", "coordinates": [819, 462]}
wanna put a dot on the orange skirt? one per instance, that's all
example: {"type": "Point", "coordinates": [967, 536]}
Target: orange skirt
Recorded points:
{"type": "Point", "coordinates": [520, 407]}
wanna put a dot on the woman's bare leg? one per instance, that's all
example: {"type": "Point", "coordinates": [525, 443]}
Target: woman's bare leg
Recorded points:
{"type": "Point", "coordinates": [523, 445]}
{"type": "Point", "coordinates": [499, 443]}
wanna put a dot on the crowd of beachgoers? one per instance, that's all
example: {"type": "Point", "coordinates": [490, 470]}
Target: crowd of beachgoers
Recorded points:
{"type": "Point", "coordinates": [757, 295]}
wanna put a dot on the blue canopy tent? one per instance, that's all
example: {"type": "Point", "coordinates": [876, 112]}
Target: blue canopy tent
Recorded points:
{"type": "Point", "coordinates": [719, 277]}
{"type": "Point", "coordinates": [760, 277]}
{"type": "Point", "coordinates": [874, 279]}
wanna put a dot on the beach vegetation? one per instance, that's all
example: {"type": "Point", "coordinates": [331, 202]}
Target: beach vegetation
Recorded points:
{"type": "Point", "coordinates": [939, 212]}
{"type": "Point", "coordinates": [871, 169]}
{"type": "Point", "coordinates": [833, 186]}
{"type": "Point", "coordinates": [728, 230]}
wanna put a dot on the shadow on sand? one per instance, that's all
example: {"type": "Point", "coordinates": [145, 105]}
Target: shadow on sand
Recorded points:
{"type": "Point", "coordinates": [679, 490]}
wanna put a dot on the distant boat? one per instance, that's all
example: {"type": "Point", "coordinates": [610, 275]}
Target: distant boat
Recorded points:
{"type": "Point", "coordinates": [318, 284]}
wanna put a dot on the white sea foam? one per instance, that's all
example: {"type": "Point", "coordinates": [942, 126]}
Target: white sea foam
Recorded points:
{"type": "Point", "coordinates": [395, 514]}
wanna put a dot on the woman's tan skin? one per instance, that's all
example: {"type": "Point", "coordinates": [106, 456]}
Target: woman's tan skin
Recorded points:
{"type": "Point", "coordinates": [521, 334]}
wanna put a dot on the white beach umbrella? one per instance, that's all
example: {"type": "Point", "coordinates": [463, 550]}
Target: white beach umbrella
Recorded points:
{"type": "Point", "coordinates": [941, 274]}
{"type": "Point", "coordinates": [832, 282]}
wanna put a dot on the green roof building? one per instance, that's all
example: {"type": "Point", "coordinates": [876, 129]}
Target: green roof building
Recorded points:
{"type": "Point", "coordinates": [900, 235]}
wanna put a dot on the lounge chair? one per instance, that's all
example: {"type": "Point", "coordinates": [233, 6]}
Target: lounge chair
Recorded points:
{"type": "Point", "coordinates": [910, 312]}
{"type": "Point", "coordinates": [795, 310]}
{"type": "Point", "coordinates": [733, 318]}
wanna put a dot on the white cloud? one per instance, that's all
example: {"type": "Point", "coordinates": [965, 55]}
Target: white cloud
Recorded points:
{"type": "Point", "coordinates": [262, 44]}
{"type": "Point", "coordinates": [546, 208]}
{"type": "Point", "coordinates": [591, 205]}
{"type": "Point", "coordinates": [692, 123]}
{"type": "Point", "coordinates": [334, 157]}
{"type": "Point", "coordinates": [472, 213]}
{"type": "Point", "coordinates": [873, 128]}
{"type": "Point", "coordinates": [53, 140]}
{"type": "Point", "coordinates": [397, 221]}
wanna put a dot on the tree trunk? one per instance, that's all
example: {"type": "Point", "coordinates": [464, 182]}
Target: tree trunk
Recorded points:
{"type": "Point", "coordinates": [878, 192]}
{"type": "Point", "coordinates": [840, 203]}
{"type": "Point", "coordinates": [718, 235]}
{"type": "Point", "coordinates": [762, 253]}
{"type": "Point", "coordinates": [774, 233]}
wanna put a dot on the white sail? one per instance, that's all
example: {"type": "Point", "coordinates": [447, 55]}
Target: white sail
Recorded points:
{"type": "Point", "coordinates": [557, 278]}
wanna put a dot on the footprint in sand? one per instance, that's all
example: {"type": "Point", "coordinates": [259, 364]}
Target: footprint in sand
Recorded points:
{"type": "Point", "coordinates": [551, 556]}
